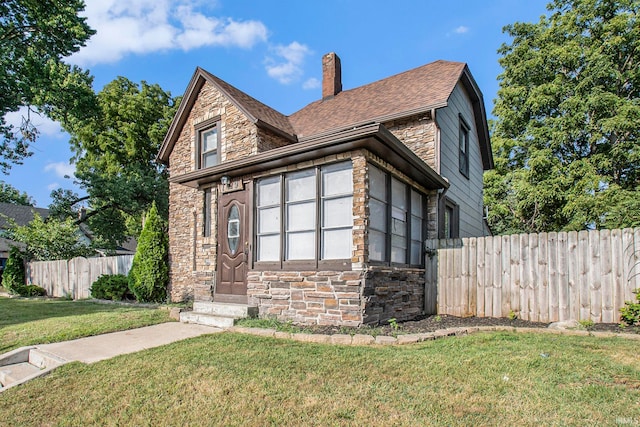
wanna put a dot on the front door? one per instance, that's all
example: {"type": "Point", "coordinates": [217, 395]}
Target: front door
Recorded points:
{"type": "Point", "coordinates": [233, 248]}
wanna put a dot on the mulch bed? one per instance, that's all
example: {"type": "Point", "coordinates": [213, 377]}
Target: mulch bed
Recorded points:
{"type": "Point", "coordinates": [433, 323]}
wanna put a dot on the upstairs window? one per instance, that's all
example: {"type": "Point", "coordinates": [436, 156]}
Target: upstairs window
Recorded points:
{"type": "Point", "coordinates": [208, 134]}
{"type": "Point", "coordinates": [463, 148]}
{"type": "Point", "coordinates": [449, 219]}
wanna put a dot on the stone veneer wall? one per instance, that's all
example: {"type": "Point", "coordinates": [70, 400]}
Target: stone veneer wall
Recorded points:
{"type": "Point", "coordinates": [419, 134]}
{"type": "Point", "coordinates": [390, 292]}
{"type": "Point", "coordinates": [308, 297]}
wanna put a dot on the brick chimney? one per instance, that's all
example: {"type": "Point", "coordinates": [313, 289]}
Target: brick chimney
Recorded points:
{"type": "Point", "coordinates": [331, 76]}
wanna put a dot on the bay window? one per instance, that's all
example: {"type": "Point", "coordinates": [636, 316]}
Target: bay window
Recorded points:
{"type": "Point", "coordinates": [396, 220]}
{"type": "Point", "coordinates": [305, 217]}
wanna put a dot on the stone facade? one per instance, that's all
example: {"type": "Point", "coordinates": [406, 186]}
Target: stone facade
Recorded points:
{"type": "Point", "coordinates": [393, 293]}
{"type": "Point", "coordinates": [419, 134]}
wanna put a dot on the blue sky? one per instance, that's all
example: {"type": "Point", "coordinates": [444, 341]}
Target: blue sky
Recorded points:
{"type": "Point", "coordinates": [272, 51]}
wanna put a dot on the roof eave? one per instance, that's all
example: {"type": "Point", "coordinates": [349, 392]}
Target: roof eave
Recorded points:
{"type": "Point", "coordinates": [372, 137]}
{"type": "Point", "coordinates": [480, 115]}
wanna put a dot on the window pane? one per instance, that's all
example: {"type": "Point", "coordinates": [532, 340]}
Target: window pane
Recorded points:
{"type": "Point", "coordinates": [398, 194]}
{"type": "Point", "coordinates": [301, 185]}
{"type": "Point", "coordinates": [377, 183]}
{"type": "Point", "coordinates": [338, 212]}
{"type": "Point", "coordinates": [416, 228]}
{"type": "Point", "coordinates": [416, 253]}
{"type": "Point", "coordinates": [269, 248]}
{"type": "Point", "coordinates": [336, 244]}
{"type": "Point", "coordinates": [210, 140]}
{"type": "Point", "coordinates": [378, 215]}
{"type": "Point", "coordinates": [377, 245]}
{"type": "Point", "coordinates": [337, 179]}
{"type": "Point", "coordinates": [269, 191]}
{"type": "Point", "coordinates": [301, 216]}
{"type": "Point", "coordinates": [398, 255]}
{"type": "Point", "coordinates": [416, 203]}
{"type": "Point", "coordinates": [269, 220]}
{"type": "Point", "coordinates": [301, 245]}
{"type": "Point", "coordinates": [210, 159]}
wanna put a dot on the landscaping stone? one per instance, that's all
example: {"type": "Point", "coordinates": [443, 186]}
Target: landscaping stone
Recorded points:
{"type": "Point", "coordinates": [566, 324]}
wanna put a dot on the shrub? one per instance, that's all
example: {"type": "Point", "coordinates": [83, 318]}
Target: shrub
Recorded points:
{"type": "Point", "coordinates": [630, 313]}
{"type": "Point", "coordinates": [29, 291]}
{"type": "Point", "coordinates": [149, 273]}
{"type": "Point", "coordinates": [13, 275]}
{"type": "Point", "coordinates": [113, 287]}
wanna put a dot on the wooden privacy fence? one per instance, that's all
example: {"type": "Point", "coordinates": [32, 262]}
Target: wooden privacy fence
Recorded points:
{"type": "Point", "coordinates": [546, 277]}
{"type": "Point", "coordinates": [74, 277]}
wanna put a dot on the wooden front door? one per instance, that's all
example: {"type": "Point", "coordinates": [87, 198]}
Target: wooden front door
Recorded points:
{"type": "Point", "coordinates": [233, 248]}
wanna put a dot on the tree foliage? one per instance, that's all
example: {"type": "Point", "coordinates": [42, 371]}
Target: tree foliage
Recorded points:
{"type": "Point", "coordinates": [13, 275]}
{"type": "Point", "coordinates": [10, 194]}
{"type": "Point", "coordinates": [149, 274]}
{"type": "Point", "coordinates": [51, 239]}
{"type": "Point", "coordinates": [566, 135]}
{"type": "Point", "coordinates": [34, 37]}
{"type": "Point", "coordinates": [115, 152]}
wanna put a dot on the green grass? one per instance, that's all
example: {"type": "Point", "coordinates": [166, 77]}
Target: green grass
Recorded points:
{"type": "Point", "coordinates": [242, 380]}
{"type": "Point", "coordinates": [39, 321]}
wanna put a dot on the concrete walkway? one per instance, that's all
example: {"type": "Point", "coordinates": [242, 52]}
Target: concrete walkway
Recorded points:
{"type": "Point", "coordinates": [106, 346]}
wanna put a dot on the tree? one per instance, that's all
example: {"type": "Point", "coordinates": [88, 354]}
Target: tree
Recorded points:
{"type": "Point", "coordinates": [149, 274]}
{"type": "Point", "coordinates": [566, 135]}
{"type": "Point", "coordinates": [115, 152]}
{"type": "Point", "coordinates": [13, 275]}
{"type": "Point", "coordinates": [9, 194]}
{"type": "Point", "coordinates": [34, 37]}
{"type": "Point", "coordinates": [51, 239]}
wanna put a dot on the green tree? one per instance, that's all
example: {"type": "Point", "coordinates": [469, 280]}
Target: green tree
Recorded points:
{"type": "Point", "coordinates": [10, 194]}
{"type": "Point", "coordinates": [115, 152]}
{"type": "Point", "coordinates": [34, 37]}
{"type": "Point", "coordinates": [51, 239]}
{"type": "Point", "coordinates": [13, 275]}
{"type": "Point", "coordinates": [566, 135]}
{"type": "Point", "coordinates": [149, 274]}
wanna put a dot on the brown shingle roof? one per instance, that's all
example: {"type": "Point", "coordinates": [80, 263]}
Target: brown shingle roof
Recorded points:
{"type": "Point", "coordinates": [428, 86]}
{"type": "Point", "coordinates": [252, 106]}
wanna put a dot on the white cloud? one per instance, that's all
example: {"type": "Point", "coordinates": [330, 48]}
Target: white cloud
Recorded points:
{"type": "Point", "coordinates": [45, 125]}
{"type": "Point", "coordinates": [143, 26]}
{"type": "Point", "coordinates": [311, 83]}
{"type": "Point", "coordinates": [61, 169]}
{"type": "Point", "coordinates": [290, 69]}
{"type": "Point", "coordinates": [53, 186]}
{"type": "Point", "coordinates": [461, 29]}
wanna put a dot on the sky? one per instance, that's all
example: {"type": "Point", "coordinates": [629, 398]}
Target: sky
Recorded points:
{"type": "Point", "coordinates": [272, 51]}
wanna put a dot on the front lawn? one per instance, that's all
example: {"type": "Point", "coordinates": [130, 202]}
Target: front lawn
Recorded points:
{"type": "Point", "coordinates": [39, 321]}
{"type": "Point", "coordinates": [241, 380]}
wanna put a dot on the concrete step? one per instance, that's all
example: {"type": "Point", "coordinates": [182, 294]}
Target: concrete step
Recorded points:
{"type": "Point", "coordinates": [207, 319]}
{"type": "Point", "coordinates": [11, 374]}
{"type": "Point", "coordinates": [237, 311]}
{"type": "Point", "coordinates": [42, 359]}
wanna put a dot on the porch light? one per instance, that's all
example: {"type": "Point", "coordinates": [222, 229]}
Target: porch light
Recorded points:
{"type": "Point", "coordinates": [225, 180]}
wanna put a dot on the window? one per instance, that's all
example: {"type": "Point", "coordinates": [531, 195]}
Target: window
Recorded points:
{"type": "Point", "coordinates": [395, 220]}
{"type": "Point", "coordinates": [450, 220]}
{"type": "Point", "coordinates": [305, 216]}
{"type": "Point", "coordinates": [463, 147]}
{"type": "Point", "coordinates": [208, 143]}
{"type": "Point", "coordinates": [206, 213]}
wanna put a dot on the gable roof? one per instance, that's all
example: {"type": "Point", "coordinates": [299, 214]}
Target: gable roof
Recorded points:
{"type": "Point", "coordinates": [260, 114]}
{"type": "Point", "coordinates": [412, 92]}
{"type": "Point", "coordinates": [22, 215]}
{"type": "Point", "coordinates": [401, 95]}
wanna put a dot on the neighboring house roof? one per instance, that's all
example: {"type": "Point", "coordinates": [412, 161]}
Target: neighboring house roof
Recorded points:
{"type": "Point", "coordinates": [22, 215]}
{"type": "Point", "coordinates": [412, 92]}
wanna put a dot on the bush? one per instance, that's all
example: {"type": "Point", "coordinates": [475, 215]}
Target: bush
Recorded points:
{"type": "Point", "coordinates": [113, 287]}
{"type": "Point", "coordinates": [13, 275]}
{"type": "Point", "coordinates": [149, 273]}
{"type": "Point", "coordinates": [630, 313]}
{"type": "Point", "coordinates": [29, 291]}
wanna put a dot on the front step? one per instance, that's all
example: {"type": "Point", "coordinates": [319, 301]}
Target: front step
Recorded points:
{"type": "Point", "coordinates": [24, 364]}
{"type": "Point", "coordinates": [221, 315]}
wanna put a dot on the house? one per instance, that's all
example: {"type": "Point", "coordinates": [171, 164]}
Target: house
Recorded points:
{"type": "Point", "coordinates": [320, 217]}
{"type": "Point", "coordinates": [22, 215]}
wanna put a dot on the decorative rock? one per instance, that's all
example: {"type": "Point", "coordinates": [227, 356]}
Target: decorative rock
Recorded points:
{"type": "Point", "coordinates": [360, 339]}
{"type": "Point", "coordinates": [174, 313]}
{"type": "Point", "coordinates": [566, 324]}
{"type": "Point", "coordinates": [341, 339]}
{"type": "Point", "coordinates": [386, 340]}
{"type": "Point", "coordinates": [409, 339]}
